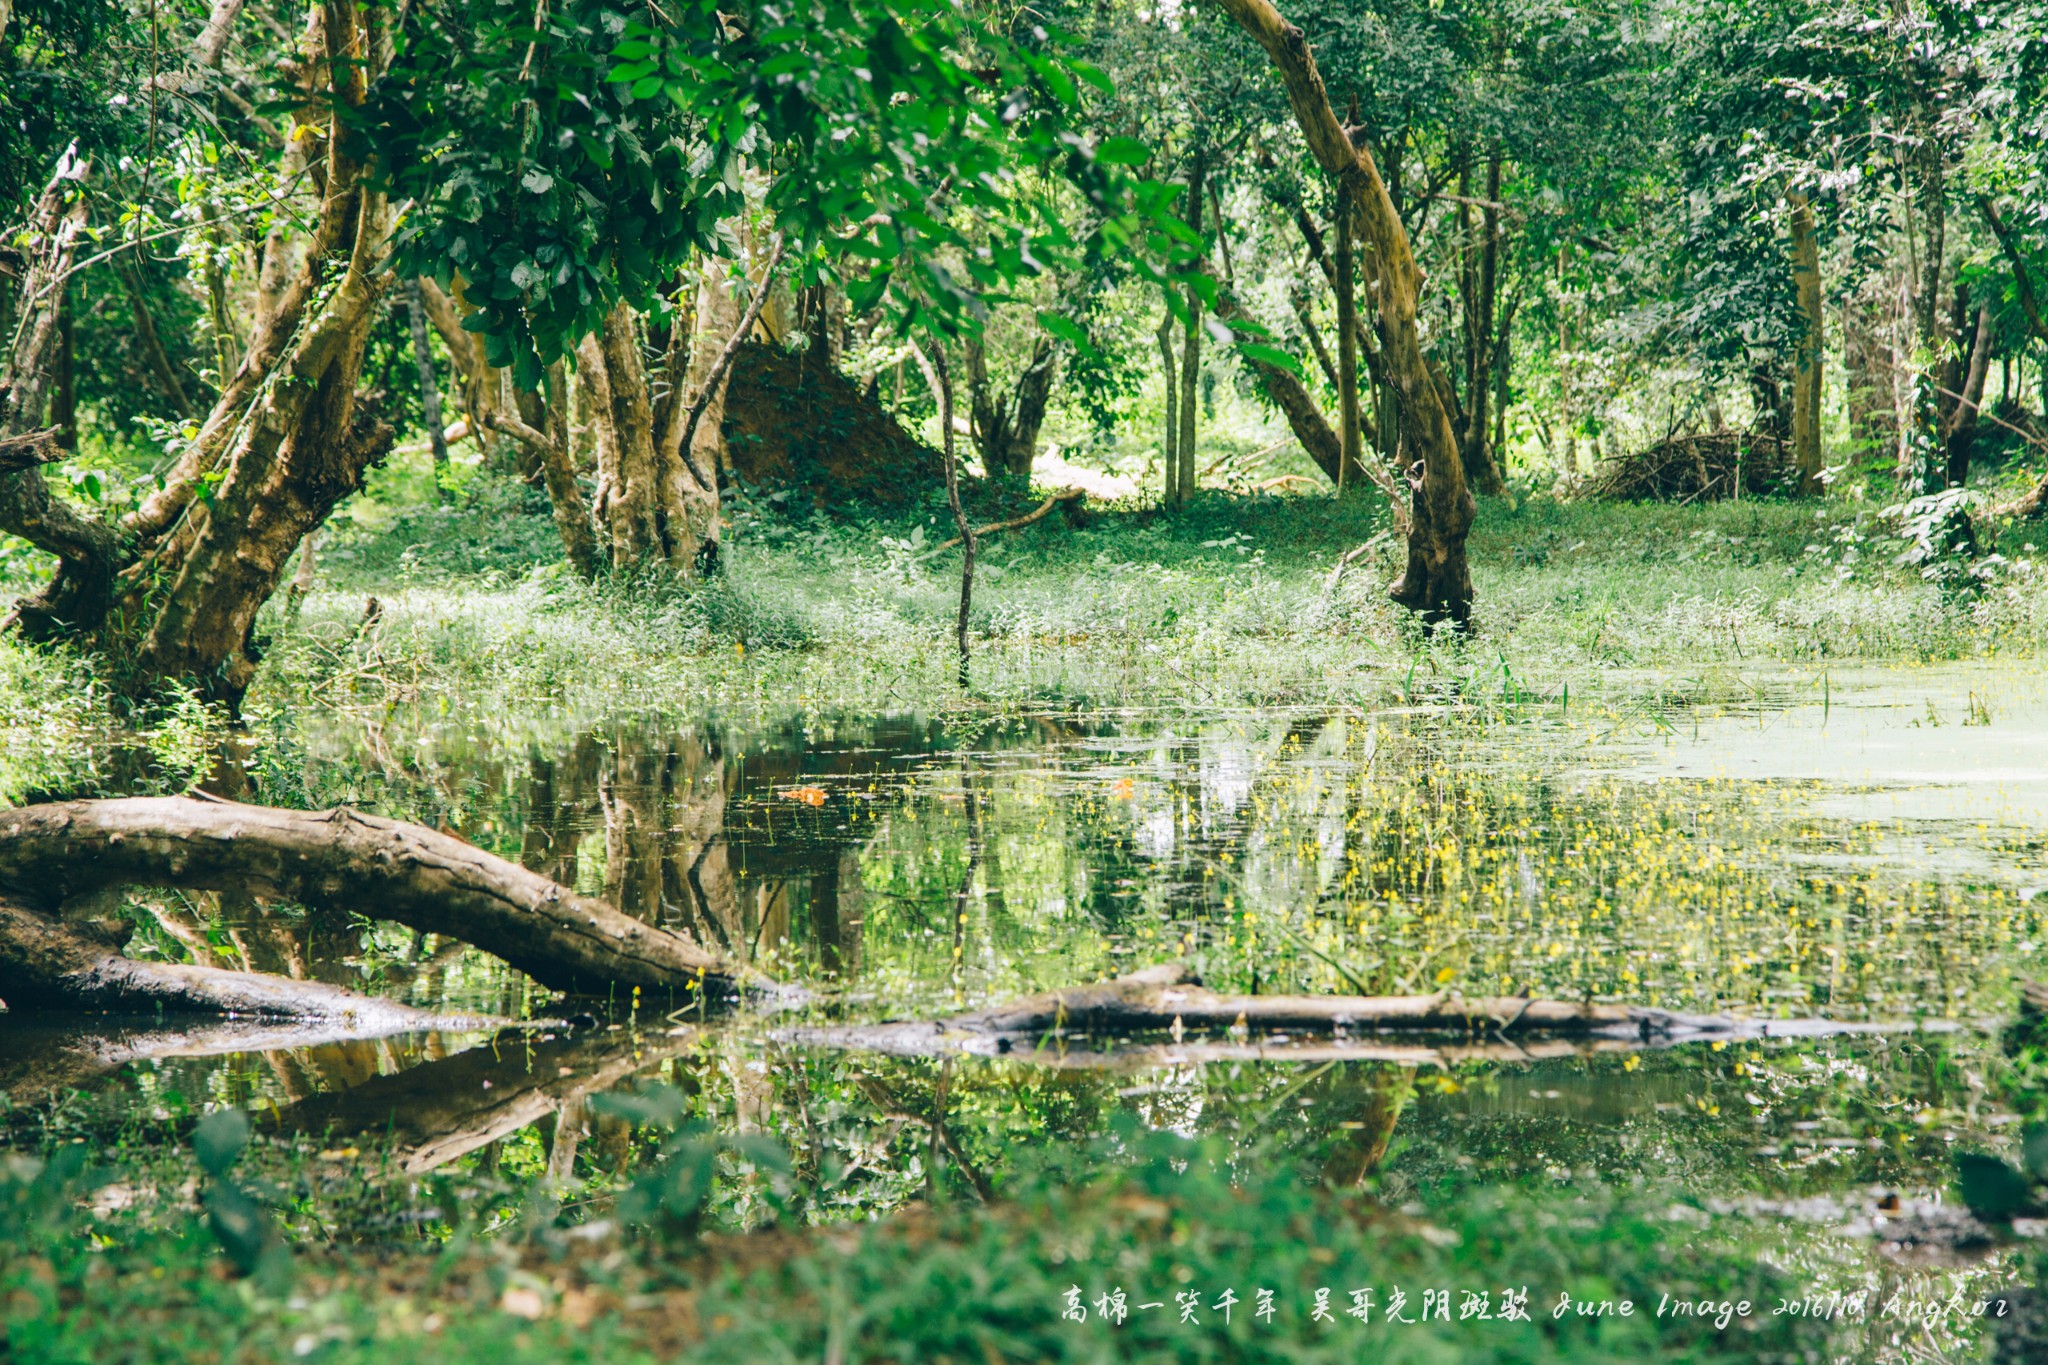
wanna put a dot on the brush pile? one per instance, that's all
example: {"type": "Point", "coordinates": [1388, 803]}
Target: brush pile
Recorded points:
{"type": "Point", "coordinates": [1703, 468]}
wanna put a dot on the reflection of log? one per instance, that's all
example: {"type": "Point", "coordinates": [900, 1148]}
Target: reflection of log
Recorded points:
{"type": "Point", "coordinates": [446, 1109]}
{"type": "Point", "coordinates": [45, 1055]}
{"type": "Point", "coordinates": [1162, 998]}
{"type": "Point", "coordinates": [1053, 1028]}
{"type": "Point", "coordinates": [349, 861]}
{"type": "Point", "coordinates": [47, 963]}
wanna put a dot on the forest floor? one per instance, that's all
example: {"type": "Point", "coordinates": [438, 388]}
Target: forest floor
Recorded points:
{"type": "Point", "coordinates": [1132, 627]}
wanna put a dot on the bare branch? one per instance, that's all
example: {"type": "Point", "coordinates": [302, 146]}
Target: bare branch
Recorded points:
{"type": "Point", "coordinates": [719, 367]}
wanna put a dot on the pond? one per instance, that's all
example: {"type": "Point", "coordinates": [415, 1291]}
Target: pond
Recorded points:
{"type": "Point", "coordinates": [1852, 864]}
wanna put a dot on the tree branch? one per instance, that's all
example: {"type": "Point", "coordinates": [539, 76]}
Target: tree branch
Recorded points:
{"type": "Point", "coordinates": [719, 367]}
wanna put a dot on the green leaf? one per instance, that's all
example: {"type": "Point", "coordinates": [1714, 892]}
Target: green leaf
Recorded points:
{"type": "Point", "coordinates": [1092, 74]}
{"type": "Point", "coordinates": [1066, 329]}
{"type": "Point", "coordinates": [1269, 355]}
{"type": "Point", "coordinates": [219, 1139]}
{"type": "Point", "coordinates": [1121, 151]}
{"type": "Point", "coordinates": [1993, 1190]}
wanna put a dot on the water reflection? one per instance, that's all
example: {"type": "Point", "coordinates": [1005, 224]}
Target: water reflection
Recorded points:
{"type": "Point", "coordinates": [908, 867]}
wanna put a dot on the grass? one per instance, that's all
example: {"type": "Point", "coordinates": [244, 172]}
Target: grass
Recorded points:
{"type": "Point", "coordinates": [1226, 604]}
{"type": "Point", "coordinates": [1162, 1217]}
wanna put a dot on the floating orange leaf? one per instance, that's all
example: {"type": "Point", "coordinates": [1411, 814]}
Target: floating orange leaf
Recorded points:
{"type": "Point", "coordinates": [810, 796]}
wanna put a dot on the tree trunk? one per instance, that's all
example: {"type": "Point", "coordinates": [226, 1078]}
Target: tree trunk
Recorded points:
{"type": "Point", "coordinates": [1806, 377]}
{"type": "Point", "coordinates": [1961, 430]}
{"type": "Point", "coordinates": [347, 861]}
{"type": "Point", "coordinates": [1190, 359]}
{"type": "Point", "coordinates": [1006, 427]}
{"type": "Point", "coordinates": [46, 963]}
{"type": "Point", "coordinates": [1169, 438]}
{"type": "Point", "coordinates": [1480, 277]}
{"type": "Point", "coordinates": [285, 441]}
{"type": "Point", "coordinates": [1436, 582]}
{"type": "Point", "coordinates": [1350, 440]}
{"type": "Point", "coordinates": [430, 387]}
{"type": "Point", "coordinates": [87, 548]}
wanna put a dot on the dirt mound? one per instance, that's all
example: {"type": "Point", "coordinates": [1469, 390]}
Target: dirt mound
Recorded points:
{"type": "Point", "coordinates": [1696, 469]}
{"type": "Point", "coordinates": [795, 422]}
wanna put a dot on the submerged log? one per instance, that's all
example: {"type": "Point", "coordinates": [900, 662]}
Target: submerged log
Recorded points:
{"type": "Point", "coordinates": [1099, 1025]}
{"type": "Point", "coordinates": [340, 858]}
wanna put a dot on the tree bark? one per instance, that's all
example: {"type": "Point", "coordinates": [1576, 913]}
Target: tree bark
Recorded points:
{"type": "Point", "coordinates": [1961, 428]}
{"type": "Point", "coordinates": [285, 441]}
{"type": "Point", "coordinates": [1350, 441]}
{"type": "Point", "coordinates": [1807, 375]}
{"type": "Point", "coordinates": [213, 39]}
{"type": "Point", "coordinates": [430, 387]}
{"type": "Point", "coordinates": [48, 964]}
{"type": "Point", "coordinates": [346, 860]}
{"type": "Point", "coordinates": [1006, 426]}
{"type": "Point", "coordinates": [1169, 439]}
{"type": "Point", "coordinates": [87, 548]}
{"type": "Point", "coordinates": [1162, 999]}
{"type": "Point", "coordinates": [1480, 276]}
{"type": "Point", "coordinates": [1436, 583]}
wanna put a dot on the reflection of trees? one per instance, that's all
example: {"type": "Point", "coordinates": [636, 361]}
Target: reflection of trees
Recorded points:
{"type": "Point", "coordinates": [701, 833]}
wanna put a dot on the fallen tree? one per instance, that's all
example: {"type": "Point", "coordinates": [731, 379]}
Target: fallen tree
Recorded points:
{"type": "Point", "coordinates": [428, 881]}
{"type": "Point", "coordinates": [1104, 1025]}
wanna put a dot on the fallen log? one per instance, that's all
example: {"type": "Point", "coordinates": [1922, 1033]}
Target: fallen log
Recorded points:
{"type": "Point", "coordinates": [1086, 1027]}
{"type": "Point", "coordinates": [46, 963]}
{"type": "Point", "coordinates": [342, 859]}
{"type": "Point", "coordinates": [43, 1056]}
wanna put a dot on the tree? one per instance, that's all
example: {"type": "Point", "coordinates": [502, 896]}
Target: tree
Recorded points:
{"type": "Point", "coordinates": [1436, 582]}
{"type": "Point", "coordinates": [566, 180]}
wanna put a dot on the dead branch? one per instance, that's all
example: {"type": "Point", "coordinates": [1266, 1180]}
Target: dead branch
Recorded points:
{"type": "Point", "coordinates": [1015, 523]}
{"type": "Point", "coordinates": [347, 860]}
{"type": "Point", "coordinates": [708, 479]}
{"type": "Point", "coordinates": [30, 450]}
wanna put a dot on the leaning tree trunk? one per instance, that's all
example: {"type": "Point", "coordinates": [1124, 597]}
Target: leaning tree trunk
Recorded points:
{"type": "Point", "coordinates": [338, 859]}
{"type": "Point", "coordinates": [172, 594]}
{"type": "Point", "coordinates": [1436, 583]}
{"type": "Point", "coordinates": [1960, 431]}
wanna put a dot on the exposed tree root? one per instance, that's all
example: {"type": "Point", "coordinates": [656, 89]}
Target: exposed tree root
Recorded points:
{"type": "Point", "coordinates": [343, 859]}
